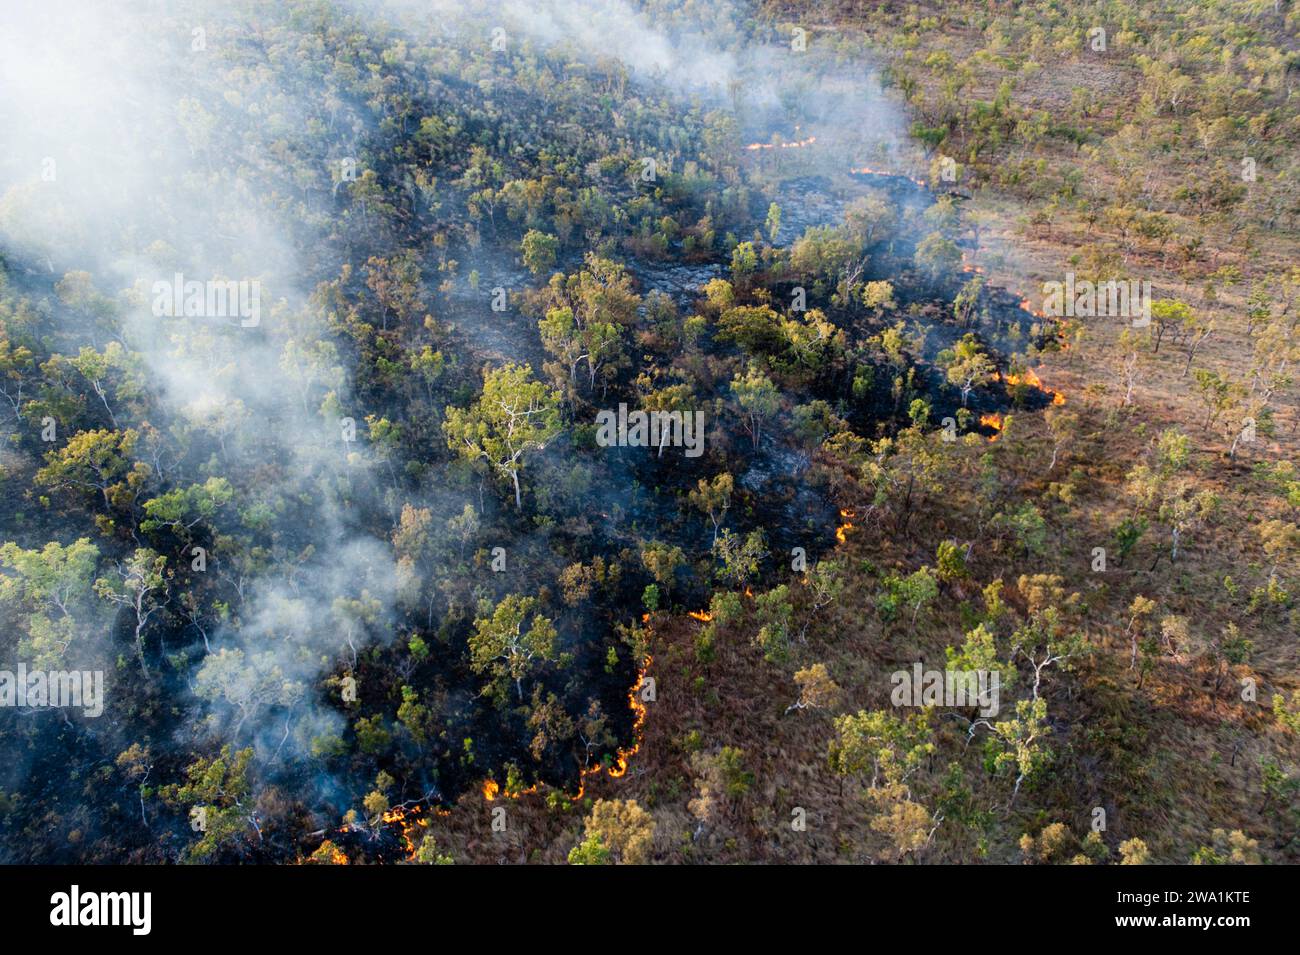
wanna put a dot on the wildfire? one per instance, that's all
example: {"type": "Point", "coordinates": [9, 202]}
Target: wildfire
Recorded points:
{"type": "Point", "coordinates": [492, 789]}
{"type": "Point", "coordinates": [993, 421]}
{"type": "Point", "coordinates": [1028, 306]}
{"type": "Point", "coordinates": [797, 144]}
{"type": "Point", "coordinates": [1033, 381]}
{"type": "Point", "coordinates": [328, 853]}
{"type": "Point", "coordinates": [701, 615]}
{"type": "Point", "coordinates": [970, 267]}
{"type": "Point", "coordinates": [1028, 378]}
{"type": "Point", "coordinates": [623, 757]}
{"type": "Point", "coordinates": [639, 709]}
{"type": "Point", "coordinates": [842, 532]}
{"type": "Point", "coordinates": [410, 821]}
{"type": "Point", "coordinates": [868, 171]}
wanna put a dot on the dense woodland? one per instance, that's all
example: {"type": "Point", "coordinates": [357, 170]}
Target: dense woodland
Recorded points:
{"type": "Point", "coordinates": [367, 585]}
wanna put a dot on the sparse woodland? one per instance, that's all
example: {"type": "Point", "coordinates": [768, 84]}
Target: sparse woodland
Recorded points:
{"type": "Point", "coordinates": [368, 584]}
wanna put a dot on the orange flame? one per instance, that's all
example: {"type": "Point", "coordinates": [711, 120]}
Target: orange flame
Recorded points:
{"type": "Point", "coordinates": [1033, 381]}
{"type": "Point", "coordinates": [624, 756]}
{"type": "Point", "coordinates": [869, 171]}
{"type": "Point", "coordinates": [702, 615]}
{"type": "Point", "coordinates": [1028, 378]}
{"type": "Point", "coordinates": [993, 421]}
{"type": "Point", "coordinates": [797, 144]}
{"type": "Point", "coordinates": [842, 532]}
{"type": "Point", "coordinates": [409, 820]}
{"type": "Point", "coordinates": [1028, 306]}
{"type": "Point", "coordinates": [639, 709]}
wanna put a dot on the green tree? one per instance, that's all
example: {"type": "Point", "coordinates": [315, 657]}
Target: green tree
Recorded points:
{"type": "Point", "coordinates": [740, 556]}
{"type": "Point", "coordinates": [618, 831]}
{"type": "Point", "coordinates": [513, 417]}
{"type": "Point", "coordinates": [182, 509]}
{"type": "Point", "coordinates": [773, 221]}
{"type": "Point", "coordinates": [937, 255]}
{"type": "Point", "coordinates": [141, 585]}
{"type": "Point", "coordinates": [714, 499]}
{"type": "Point", "coordinates": [219, 798]}
{"type": "Point", "coordinates": [891, 747]}
{"type": "Point", "coordinates": [538, 251]}
{"type": "Point", "coordinates": [1019, 742]}
{"type": "Point", "coordinates": [967, 365]}
{"type": "Point", "coordinates": [509, 641]}
{"type": "Point", "coordinates": [96, 461]}
{"type": "Point", "coordinates": [51, 589]}
{"type": "Point", "coordinates": [758, 399]}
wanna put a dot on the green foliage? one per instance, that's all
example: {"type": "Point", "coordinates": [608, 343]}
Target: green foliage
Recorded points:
{"type": "Point", "coordinates": [514, 417]}
{"type": "Point", "coordinates": [510, 641]}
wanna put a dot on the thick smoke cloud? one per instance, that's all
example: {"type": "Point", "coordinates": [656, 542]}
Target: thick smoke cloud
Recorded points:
{"type": "Point", "coordinates": [105, 138]}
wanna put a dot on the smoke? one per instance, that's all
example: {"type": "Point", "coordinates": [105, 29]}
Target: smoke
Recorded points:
{"type": "Point", "coordinates": [113, 136]}
{"type": "Point", "coordinates": [131, 133]}
{"type": "Point", "coordinates": [714, 54]}
{"type": "Point", "coordinates": [678, 53]}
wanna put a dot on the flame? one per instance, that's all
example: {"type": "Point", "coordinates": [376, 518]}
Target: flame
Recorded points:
{"type": "Point", "coordinates": [624, 756]}
{"type": "Point", "coordinates": [748, 591]}
{"type": "Point", "coordinates": [1033, 381]}
{"type": "Point", "coordinates": [797, 144]}
{"type": "Point", "coordinates": [993, 421]}
{"type": "Point", "coordinates": [868, 171]}
{"type": "Point", "coordinates": [328, 853]}
{"type": "Point", "coordinates": [410, 821]}
{"type": "Point", "coordinates": [1028, 378]}
{"type": "Point", "coordinates": [702, 615]}
{"type": "Point", "coordinates": [639, 709]}
{"type": "Point", "coordinates": [1028, 306]}
{"type": "Point", "coordinates": [842, 532]}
